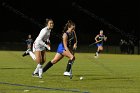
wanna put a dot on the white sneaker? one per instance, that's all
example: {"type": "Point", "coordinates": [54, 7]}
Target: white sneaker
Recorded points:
{"type": "Point", "coordinates": [35, 75]}
{"type": "Point", "coordinates": [67, 73]}
{"type": "Point", "coordinates": [40, 77]}
{"type": "Point", "coordinates": [97, 54]}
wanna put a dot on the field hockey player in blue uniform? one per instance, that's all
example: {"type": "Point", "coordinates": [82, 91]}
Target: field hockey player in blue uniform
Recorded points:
{"type": "Point", "coordinates": [63, 48]}
{"type": "Point", "coordinates": [100, 38]}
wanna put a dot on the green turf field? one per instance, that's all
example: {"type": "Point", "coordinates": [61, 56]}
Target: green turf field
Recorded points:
{"type": "Point", "coordinates": [110, 73]}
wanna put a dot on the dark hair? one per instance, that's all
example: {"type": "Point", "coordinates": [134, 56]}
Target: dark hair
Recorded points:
{"type": "Point", "coordinates": [67, 25]}
{"type": "Point", "coordinates": [47, 20]}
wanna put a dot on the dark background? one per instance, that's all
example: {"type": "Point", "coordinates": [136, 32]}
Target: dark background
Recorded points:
{"type": "Point", "coordinates": [118, 18]}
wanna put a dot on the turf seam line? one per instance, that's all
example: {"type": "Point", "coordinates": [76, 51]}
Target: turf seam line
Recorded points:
{"type": "Point", "coordinates": [44, 88]}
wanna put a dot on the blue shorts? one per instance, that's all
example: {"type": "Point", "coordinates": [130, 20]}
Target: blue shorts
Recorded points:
{"type": "Point", "coordinates": [60, 48]}
{"type": "Point", "coordinates": [99, 44]}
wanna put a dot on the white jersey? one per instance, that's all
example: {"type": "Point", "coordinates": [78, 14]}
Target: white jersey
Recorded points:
{"type": "Point", "coordinates": [39, 44]}
{"type": "Point", "coordinates": [43, 36]}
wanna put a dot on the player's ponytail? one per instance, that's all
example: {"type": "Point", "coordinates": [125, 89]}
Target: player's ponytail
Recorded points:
{"type": "Point", "coordinates": [67, 25]}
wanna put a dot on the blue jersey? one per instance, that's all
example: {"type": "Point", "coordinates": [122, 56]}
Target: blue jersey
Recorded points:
{"type": "Point", "coordinates": [70, 43]}
{"type": "Point", "coordinates": [71, 39]}
{"type": "Point", "coordinates": [101, 38]}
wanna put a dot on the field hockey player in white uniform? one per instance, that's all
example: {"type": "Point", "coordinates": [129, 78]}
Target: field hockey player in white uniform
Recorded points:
{"type": "Point", "coordinates": [39, 47]}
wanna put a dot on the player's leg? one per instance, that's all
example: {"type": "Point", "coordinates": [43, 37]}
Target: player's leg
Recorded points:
{"type": "Point", "coordinates": [29, 52]}
{"type": "Point", "coordinates": [26, 53]}
{"type": "Point", "coordinates": [70, 62]}
{"type": "Point", "coordinates": [99, 49]}
{"type": "Point", "coordinates": [57, 57]}
{"type": "Point", "coordinates": [37, 48]}
{"type": "Point", "coordinates": [38, 69]}
{"type": "Point", "coordinates": [32, 55]}
{"type": "Point", "coordinates": [41, 58]}
{"type": "Point", "coordinates": [43, 55]}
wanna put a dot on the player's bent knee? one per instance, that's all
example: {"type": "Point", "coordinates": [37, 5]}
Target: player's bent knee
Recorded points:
{"type": "Point", "coordinates": [72, 58]}
{"type": "Point", "coordinates": [101, 48]}
{"type": "Point", "coordinates": [38, 61]}
{"type": "Point", "coordinates": [54, 61]}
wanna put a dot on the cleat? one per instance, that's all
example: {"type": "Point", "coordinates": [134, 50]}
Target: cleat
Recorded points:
{"type": "Point", "coordinates": [26, 53]}
{"type": "Point", "coordinates": [40, 77]}
{"type": "Point", "coordinates": [95, 56]}
{"type": "Point", "coordinates": [67, 74]}
{"type": "Point", "coordinates": [35, 75]}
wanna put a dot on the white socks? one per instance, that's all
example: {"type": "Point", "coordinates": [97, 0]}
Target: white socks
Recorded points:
{"type": "Point", "coordinates": [32, 55]}
{"type": "Point", "coordinates": [38, 70]}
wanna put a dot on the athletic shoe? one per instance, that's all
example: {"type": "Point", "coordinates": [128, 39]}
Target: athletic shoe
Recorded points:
{"type": "Point", "coordinates": [97, 54]}
{"type": "Point", "coordinates": [67, 73]}
{"type": "Point", "coordinates": [35, 75]}
{"type": "Point", "coordinates": [26, 53]}
{"type": "Point", "coordinates": [40, 77]}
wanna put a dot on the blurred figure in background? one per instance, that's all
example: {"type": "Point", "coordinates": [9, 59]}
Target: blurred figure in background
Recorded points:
{"type": "Point", "coordinates": [29, 42]}
{"type": "Point", "coordinates": [100, 38]}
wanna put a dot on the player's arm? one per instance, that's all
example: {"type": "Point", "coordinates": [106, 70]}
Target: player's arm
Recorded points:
{"type": "Point", "coordinates": [48, 41]}
{"type": "Point", "coordinates": [65, 37]}
{"type": "Point", "coordinates": [41, 35]}
{"type": "Point", "coordinates": [96, 38]}
{"type": "Point", "coordinates": [105, 38]}
{"type": "Point", "coordinates": [75, 43]}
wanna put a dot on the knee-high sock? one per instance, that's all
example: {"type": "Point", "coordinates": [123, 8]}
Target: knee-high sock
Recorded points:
{"type": "Point", "coordinates": [69, 65]}
{"type": "Point", "coordinates": [32, 55]}
{"type": "Point", "coordinates": [47, 66]}
{"type": "Point", "coordinates": [98, 51]}
{"type": "Point", "coordinates": [40, 70]}
{"type": "Point", "coordinates": [37, 68]}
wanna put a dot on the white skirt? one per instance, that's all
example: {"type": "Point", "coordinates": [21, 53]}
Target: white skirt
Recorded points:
{"type": "Point", "coordinates": [38, 47]}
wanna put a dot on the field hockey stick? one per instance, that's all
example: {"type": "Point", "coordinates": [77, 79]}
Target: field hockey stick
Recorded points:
{"type": "Point", "coordinates": [71, 65]}
{"type": "Point", "coordinates": [95, 43]}
{"type": "Point", "coordinates": [71, 71]}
